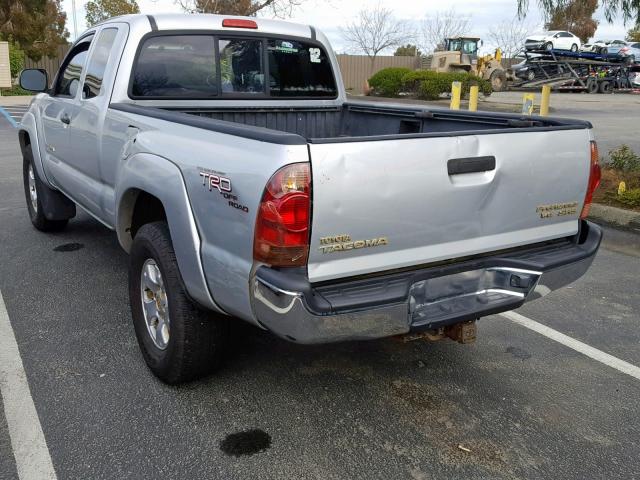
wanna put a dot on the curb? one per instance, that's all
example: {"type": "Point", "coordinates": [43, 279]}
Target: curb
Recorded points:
{"type": "Point", "coordinates": [616, 217]}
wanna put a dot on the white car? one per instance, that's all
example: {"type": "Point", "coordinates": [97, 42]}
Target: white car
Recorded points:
{"type": "Point", "coordinates": [553, 40]}
{"type": "Point", "coordinates": [601, 46]}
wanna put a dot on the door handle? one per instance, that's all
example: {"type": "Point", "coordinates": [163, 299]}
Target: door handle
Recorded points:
{"type": "Point", "coordinates": [456, 166]}
{"type": "Point", "coordinates": [65, 118]}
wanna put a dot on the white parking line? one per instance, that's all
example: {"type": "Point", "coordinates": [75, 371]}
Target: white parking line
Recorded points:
{"type": "Point", "coordinates": [27, 440]}
{"type": "Point", "coordinates": [576, 345]}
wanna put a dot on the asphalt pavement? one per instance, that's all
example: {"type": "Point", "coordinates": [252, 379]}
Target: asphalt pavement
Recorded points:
{"type": "Point", "coordinates": [515, 404]}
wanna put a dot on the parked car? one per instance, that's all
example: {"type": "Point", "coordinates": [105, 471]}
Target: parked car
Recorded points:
{"type": "Point", "coordinates": [629, 52]}
{"type": "Point", "coordinates": [553, 40]}
{"type": "Point", "coordinates": [245, 186]}
{"type": "Point", "coordinates": [601, 46]}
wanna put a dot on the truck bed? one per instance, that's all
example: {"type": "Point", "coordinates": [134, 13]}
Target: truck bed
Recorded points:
{"type": "Point", "coordinates": [353, 121]}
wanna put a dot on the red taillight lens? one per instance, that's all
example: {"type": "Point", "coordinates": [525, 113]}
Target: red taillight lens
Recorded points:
{"type": "Point", "coordinates": [282, 227]}
{"type": "Point", "coordinates": [238, 23]}
{"type": "Point", "coordinates": [594, 180]}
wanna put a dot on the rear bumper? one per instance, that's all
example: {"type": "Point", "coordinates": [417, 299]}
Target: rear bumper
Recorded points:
{"type": "Point", "coordinates": [421, 299]}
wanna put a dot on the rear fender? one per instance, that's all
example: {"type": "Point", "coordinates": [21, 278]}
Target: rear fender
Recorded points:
{"type": "Point", "coordinates": [157, 176]}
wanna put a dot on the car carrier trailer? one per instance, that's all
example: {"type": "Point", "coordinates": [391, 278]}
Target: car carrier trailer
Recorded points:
{"type": "Point", "coordinates": [576, 71]}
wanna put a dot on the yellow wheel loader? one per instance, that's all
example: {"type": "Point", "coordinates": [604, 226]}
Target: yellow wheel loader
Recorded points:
{"type": "Point", "coordinates": [461, 55]}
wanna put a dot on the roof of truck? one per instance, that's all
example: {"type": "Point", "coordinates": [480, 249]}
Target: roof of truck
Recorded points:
{"type": "Point", "coordinates": [205, 21]}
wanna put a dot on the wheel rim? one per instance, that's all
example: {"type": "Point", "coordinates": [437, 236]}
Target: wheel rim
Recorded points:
{"type": "Point", "coordinates": [574, 48]}
{"type": "Point", "coordinates": [549, 46]}
{"type": "Point", "coordinates": [33, 193]}
{"type": "Point", "coordinates": [154, 304]}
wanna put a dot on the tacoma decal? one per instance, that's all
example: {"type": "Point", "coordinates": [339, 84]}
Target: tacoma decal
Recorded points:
{"type": "Point", "coordinates": [340, 243]}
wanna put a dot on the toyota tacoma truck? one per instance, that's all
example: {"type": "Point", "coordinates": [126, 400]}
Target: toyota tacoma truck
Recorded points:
{"type": "Point", "coordinates": [244, 184]}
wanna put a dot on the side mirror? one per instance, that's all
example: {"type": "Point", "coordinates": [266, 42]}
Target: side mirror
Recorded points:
{"type": "Point", "coordinates": [34, 79]}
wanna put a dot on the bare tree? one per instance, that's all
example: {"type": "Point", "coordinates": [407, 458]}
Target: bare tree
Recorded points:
{"type": "Point", "coordinates": [376, 30]}
{"type": "Point", "coordinates": [510, 36]}
{"type": "Point", "coordinates": [443, 24]}
{"type": "Point", "coordinates": [249, 8]}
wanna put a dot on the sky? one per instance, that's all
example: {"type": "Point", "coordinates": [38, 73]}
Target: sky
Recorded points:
{"type": "Point", "coordinates": [330, 15]}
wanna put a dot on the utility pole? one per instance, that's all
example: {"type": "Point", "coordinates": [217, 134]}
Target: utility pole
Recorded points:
{"type": "Point", "coordinates": [75, 22]}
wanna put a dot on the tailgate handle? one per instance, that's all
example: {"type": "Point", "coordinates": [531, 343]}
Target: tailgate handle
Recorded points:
{"type": "Point", "coordinates": [456, 166]}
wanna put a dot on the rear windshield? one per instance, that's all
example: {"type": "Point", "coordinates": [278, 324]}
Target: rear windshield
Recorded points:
{"type": "Point", "coordinates": [208, 66]}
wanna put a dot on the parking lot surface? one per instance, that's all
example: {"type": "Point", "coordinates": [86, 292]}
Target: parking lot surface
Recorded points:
{"type": "Point", "coordinates": [515, 404]}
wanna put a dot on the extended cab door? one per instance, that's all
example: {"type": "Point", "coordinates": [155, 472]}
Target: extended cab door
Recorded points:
{"type": "Point", "coordinates": [87, 125]}
{"type": "Point", "coordinates": [58, 112]}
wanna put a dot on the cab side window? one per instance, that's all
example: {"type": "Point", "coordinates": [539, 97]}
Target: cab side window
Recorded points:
{"type": "Point", "coordinates": [69, 75]}
{"type": "Point", "coordinates": [98, 63]}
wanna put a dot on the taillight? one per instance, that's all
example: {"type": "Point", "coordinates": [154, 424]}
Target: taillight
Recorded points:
{"type": "Point", "coordinates": [594, 180]}
{"type": "Point", "coordinates": [282, 227]}
{"type": "Point", "coordinates": [239, 23]}
{"type": "Point", "coordinates": [624, 50]}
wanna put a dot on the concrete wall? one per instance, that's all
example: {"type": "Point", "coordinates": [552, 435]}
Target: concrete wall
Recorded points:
{"type": "Point", "coordinates": [5, 68]}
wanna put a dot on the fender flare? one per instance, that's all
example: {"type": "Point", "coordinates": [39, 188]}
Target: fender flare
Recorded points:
{"type": "Point", "coordinates": [157, 176]}
{"type": "Point", "coordinates": [28, 126]}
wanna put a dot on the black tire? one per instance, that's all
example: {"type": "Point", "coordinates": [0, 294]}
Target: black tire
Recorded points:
{"type": "Point", "coordinates": [605, 87]}
{"type": "Point", "coordinates": [574, 48]}
{"type": "Point", "coordinates": [498, 80]}
{"type": "Point", "coordinates": [592, 85]}
{"type": "Point", "coordinates": [36, 212]}
{"type": "Point", "coordinates": [630, 60]}
{"type": "Point", "coordinates": [548, 46]}
{"type": "Point", "coordinates": [197, 338]}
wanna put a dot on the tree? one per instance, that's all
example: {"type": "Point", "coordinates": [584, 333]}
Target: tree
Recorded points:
{"type": "Point", "coordinates": [375, 30]}
{"type": "Point", "coordinates": [35, 26]}
{"type": "Point", "coordinates": [247, 8]}
{"type": "Point", "coordinates": [576, 16]}
{"type": "Point", "coordinates": [627, 9]}
{"type": "Point", "coordinates": [509, 36]}
{"type": "Point", "coordinates": [407, 50]}
{"type": "Point", "coordinates": [100, 10]}
{"type": "Point", "coordinates": [441, 25]}
{"type": "Point", "coordinates": [633, 35]}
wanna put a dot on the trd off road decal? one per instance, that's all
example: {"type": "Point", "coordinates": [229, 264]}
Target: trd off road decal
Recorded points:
{"type": "Point", "coordinates": [216, 182]}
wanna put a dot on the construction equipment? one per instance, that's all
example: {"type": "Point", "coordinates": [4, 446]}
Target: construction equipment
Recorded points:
{"type": "Point", "coordinates": [460, 54]}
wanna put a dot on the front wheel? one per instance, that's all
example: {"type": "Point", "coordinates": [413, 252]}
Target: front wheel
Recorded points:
{"type": "Point", "coordinates": [498, 80]}
{"type": "Point", "coordinates": [34, 189]}
{"type": "Point", "coordinates": [548, 46]}
{"type": "Point", "coordinates": [179, 340]}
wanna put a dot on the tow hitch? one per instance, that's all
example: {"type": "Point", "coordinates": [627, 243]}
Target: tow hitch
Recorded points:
{"type": "Point", "coordinates": [464, 332]}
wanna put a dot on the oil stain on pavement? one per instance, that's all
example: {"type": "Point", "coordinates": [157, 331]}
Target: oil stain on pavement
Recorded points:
{"type": "Point", "coordinates": [248, 442]}
{"type": "Point", "coordinates": [68, 247]}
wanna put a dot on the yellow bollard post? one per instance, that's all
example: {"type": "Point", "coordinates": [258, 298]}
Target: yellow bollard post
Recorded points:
{"type": "Point", "coordinates": [473, 98]}
{"type": "Point", "coordinates": [544, 103]}
{"type": "Point", "coordinates": [527, 103]}
{"type": "Point", "coordinates": [456, 90]}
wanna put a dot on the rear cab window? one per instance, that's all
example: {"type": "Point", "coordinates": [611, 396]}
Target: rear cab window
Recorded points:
{"type": "Point", "coordinates": [205, 66]}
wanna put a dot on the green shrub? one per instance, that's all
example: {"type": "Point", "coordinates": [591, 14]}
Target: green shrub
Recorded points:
{"type": "Point", "coordinates": [624, 159]}
{"type": "Point", "coordinates": [630, 197]}
{"type": "Point", "coordinates": [388, 81]}
{"type": "Point", "coordinates": [429, 85]}
{"type": "Point", "coordinates": [16, 60]}
{"type": "Point", "coordinates": [14, 91]}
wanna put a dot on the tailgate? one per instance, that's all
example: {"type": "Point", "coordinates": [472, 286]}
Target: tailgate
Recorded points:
{"type": "Point", "coordinates": [387, 204]}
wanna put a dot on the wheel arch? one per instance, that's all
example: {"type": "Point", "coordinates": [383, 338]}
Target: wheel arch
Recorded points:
{"type": "Point", "coordinates": [151, 188]}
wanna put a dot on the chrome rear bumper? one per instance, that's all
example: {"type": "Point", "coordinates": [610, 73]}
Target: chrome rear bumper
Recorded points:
{"type": "Point", "coordinates": [421, 299]}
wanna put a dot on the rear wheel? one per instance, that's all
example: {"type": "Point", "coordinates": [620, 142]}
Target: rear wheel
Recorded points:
{"type": "Point", "coordinates": [630, 60]}
{"type": "Point", "coordinates": [592, 85]}
{"type": "Point", "coordinates": [498, 80]}
{"type": "Point", "coordinates": [574, 48]}
{"type": "Point", "coordinates": [605, 87]}
{"type": "Point", "coordinates": [179, 340]}
{"type": "Point", "coordinates": [33, 190]}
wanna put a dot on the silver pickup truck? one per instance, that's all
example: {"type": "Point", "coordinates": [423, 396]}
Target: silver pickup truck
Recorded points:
{"type": "Point", "coordinates": [244, 184]}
